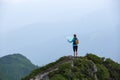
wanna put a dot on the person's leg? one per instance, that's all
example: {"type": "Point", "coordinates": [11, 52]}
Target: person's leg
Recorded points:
{"type": "Point", "coordinates": [74, 50]}
{"type": "Point", "coordinates": [75, 53]}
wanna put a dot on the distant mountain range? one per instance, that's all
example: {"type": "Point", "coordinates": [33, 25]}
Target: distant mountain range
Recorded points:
{"type": "Point", "coordinates": [15, 67]}
{"type": "Point", "coordinates": [89, 67]}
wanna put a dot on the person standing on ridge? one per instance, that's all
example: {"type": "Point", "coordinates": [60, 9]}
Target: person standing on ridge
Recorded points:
{"type": "Point", "coordinates": [75, 45]}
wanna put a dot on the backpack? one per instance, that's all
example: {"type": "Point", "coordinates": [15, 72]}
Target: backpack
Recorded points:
{"type": "Point", "coordinates": [76, 41]}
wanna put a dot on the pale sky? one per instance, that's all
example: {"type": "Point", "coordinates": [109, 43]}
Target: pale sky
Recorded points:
{"type": "Point", "coordinates": [38, 28]}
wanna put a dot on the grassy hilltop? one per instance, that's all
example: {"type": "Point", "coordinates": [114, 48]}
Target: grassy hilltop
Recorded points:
{"type": "Point", "coordinates": [14, 67]}
{"type": "Point", "coordinates": [89, 67]}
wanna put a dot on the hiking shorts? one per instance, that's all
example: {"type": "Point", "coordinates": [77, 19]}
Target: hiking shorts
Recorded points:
{"type": "Point", "coordinates": [75, 48]}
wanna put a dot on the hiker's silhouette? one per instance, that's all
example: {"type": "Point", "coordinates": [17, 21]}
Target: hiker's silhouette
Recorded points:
{"type": "Point", "coordinates": [75, 45]}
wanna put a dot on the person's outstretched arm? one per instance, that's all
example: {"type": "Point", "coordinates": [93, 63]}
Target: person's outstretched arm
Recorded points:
{"type": "Point", "coordinates": [70, 41]}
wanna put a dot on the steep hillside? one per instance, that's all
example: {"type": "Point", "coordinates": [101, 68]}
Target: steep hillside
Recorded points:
{"type": "Point", "coordinates": [89, 67]}
{"type": "Point", "coordinates": [14, 67]}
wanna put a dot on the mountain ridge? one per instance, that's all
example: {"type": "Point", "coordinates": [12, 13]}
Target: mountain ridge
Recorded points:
{"type": "Point", "coordinates": [89, 67]}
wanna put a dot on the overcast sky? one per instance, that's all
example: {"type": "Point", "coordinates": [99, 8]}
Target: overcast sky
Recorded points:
{"type": "Point", "coordinates": [38, 28]}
